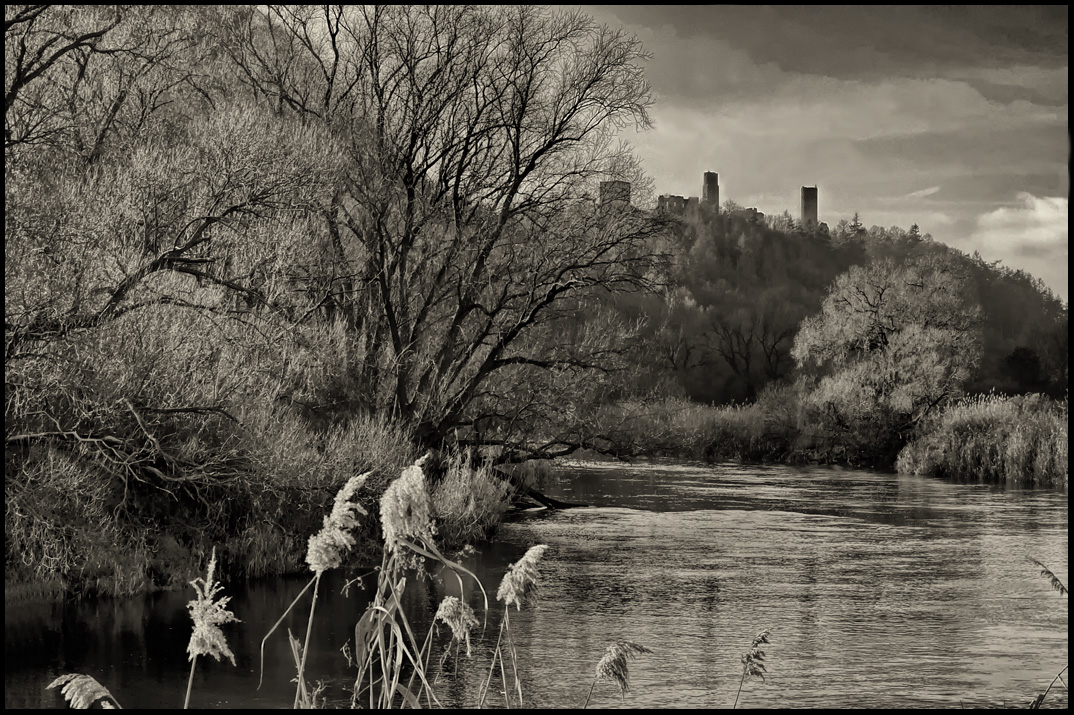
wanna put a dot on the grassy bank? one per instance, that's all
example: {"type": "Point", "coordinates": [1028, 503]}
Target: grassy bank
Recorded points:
{"type": "Point", "coordinates": [990, 438]}
{"type": "Point", "coordinates": [994, 438]}
{"type": "Point", "coordinates": [678, 427]}
{"type": "Point", "coordinates": [81, 528]}
{"type": "Point", "coordinates": [766, 431]}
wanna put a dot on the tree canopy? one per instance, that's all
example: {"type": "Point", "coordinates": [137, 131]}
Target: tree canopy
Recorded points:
{"type": "Point", "coordinates": [893, 343]}
{"type": "Point", "coordinates": [388, 203]}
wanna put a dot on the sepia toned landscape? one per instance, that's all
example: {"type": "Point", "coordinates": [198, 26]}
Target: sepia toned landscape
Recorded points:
{"type": "Point", "coordinates": [526, 356]}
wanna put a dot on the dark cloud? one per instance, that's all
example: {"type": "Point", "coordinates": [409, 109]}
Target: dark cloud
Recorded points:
{"type": "Point", "coordinates": [879, 106]}
{"type": "Point", "coordinates": [865, 41]}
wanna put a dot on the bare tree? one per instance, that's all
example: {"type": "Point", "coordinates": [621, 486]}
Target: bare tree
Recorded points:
{"type": "Point", "coordinates": [79, 78]}
{"type": "Point", "coordinates": [462, 230]}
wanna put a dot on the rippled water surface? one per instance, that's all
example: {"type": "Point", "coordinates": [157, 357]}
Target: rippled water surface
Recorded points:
{"type": "Point", "coordinates": [879, 590]}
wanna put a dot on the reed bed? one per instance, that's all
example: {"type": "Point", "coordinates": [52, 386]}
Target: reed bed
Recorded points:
{"type": "Point", "coordinates": [681, 428]}
{"type": "Point", "coordinates": [468, 502]}
{"type": "Point", "coordinates": [994, 438]}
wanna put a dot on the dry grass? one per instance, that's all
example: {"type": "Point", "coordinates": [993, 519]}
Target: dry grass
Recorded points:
{"type": "Point", "coordinates": [468, 502]}
{"type": "Point", "coordinates": [676, 427]}
{"type": "Point", "coordinates": [994, 438]}
{"type": "Point", "coordinates": [532, 474]}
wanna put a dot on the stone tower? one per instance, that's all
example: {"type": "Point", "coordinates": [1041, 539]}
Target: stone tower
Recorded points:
{"type": "Point", "coordinates": [710, 190]}
{"type": "Point", "coordinates": [614, 192]}
{"type": "Point", "coordinates": [809, 207]}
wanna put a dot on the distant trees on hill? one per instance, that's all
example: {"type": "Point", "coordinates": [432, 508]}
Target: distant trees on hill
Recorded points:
{"type": "Point", "coordinates": [740, 292]}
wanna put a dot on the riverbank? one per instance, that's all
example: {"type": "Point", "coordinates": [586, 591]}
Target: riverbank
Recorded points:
{"type": "Point", "coordinates": [65, 538]}
{"type": "Point", "coordinates": [76, 530]}
{"type": "Point", "coordinates": [993, 438]}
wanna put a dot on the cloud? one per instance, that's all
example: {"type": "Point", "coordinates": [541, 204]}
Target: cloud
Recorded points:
{"type": "Point", "coordinates": [923, 193]}
{"type": "Point", "coordinates": [873, 41]}
{"type": "Point", "coordinates": [1039, 227]}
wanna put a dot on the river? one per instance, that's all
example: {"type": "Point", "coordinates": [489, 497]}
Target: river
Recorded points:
{"type": "Point", "coordinates": [879, 590]}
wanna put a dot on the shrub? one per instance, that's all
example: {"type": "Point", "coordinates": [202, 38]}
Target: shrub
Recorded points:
{"type": "Point", "coordinates": [468, 502]}
{"type": "Point", "coordinates": [677, 427]}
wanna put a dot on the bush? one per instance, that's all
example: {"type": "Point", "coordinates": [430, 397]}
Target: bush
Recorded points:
{"type": "Point", "coordinates": [677, 427]}
{"type": "Point", "coordinates": [60, 527]}
{"type": "Point", "coordinates": [994, 438]}
{"type": "Point", "coordinates": [78, 519]}
{"type": "Point", "coordinates": [468, 502]}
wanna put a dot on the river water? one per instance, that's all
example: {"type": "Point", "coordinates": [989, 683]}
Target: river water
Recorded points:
{"type": "Point", "coordinates": [879, 590]}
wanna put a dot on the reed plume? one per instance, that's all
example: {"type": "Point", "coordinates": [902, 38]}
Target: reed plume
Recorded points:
{"type": "Point", "coordinates": [325, 552]}
{"type": "Point", "coordinates": [208, 614]}
{"type": "Point", "coordinates": [326, 547]}
{"type": "Point", "coordinates": [83, 692]}
{"type": "Point", "coordinates": [613, 665]}
{"type": "Point", "coordinates": [406, 513]}
{"type": "Point", "coordinates": [519, 584]}
{"type": "Point", "coordinates": [1052, 578]}
{"type": "Point", "coordinates": [752, 662]}
{"type": "Point", "coordinates": [383, 634]}
{"type": "Point", "coordinates": [460, 617]}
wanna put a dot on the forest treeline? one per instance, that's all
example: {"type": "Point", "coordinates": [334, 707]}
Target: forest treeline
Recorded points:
{"type": "Point", "coordinates": [250, 252]}
{"type": "Point", "coordinates": [725, 325]}
{"type": "Point", "coordinates": [858, 346]}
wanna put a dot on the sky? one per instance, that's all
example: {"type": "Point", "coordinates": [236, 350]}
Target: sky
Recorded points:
{"type": "Point", "coordinates": [951, 117]}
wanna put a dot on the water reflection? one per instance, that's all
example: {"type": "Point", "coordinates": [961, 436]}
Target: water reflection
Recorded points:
{"type": "Point", "coordinates": [880, 591]}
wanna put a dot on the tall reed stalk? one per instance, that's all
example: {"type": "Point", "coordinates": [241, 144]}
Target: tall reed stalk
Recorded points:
{"type": "Point", "coordinates": [1059, 586]}
{"type": "Point", "coordinates": [613, 666]}
{"type": "Point", "coordinates": [752, 662]}
{"type": "Point", "coordinates": [384, 640]}
{"type": "Point", "coordinates": [325, 552]}
{"type": "Point", "coordinates": [208, 614]}
{"type": "Point", "coordinates": [519, 586]}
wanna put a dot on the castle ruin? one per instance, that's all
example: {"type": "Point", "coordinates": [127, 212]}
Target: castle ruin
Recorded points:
{"type": "Point", "coordinates": [618, 192]}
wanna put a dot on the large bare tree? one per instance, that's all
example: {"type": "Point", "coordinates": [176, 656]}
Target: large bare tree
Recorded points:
{"type": "Point", "coordinates": [464, 239]}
